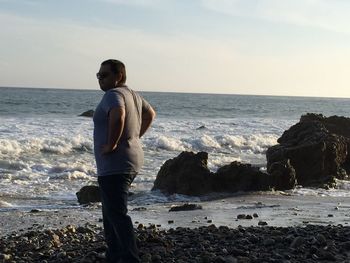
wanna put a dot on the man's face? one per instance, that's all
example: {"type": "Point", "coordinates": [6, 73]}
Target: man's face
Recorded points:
{"type": "Point", "coordinates": [106, 78]}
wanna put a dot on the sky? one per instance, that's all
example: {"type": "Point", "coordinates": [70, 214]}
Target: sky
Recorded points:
{"type": "Point", "coordinates": [260, 47]}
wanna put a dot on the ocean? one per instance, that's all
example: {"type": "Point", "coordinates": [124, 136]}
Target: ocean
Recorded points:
{"type": "Point", "coordinates": [46, 149]}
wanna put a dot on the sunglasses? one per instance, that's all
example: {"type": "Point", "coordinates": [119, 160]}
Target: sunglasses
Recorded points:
{"type": "Point", "coordinates": [102, 75]}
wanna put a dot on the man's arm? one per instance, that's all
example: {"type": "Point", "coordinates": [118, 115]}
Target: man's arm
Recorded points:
{"type": "Point", "coordinates": [116, 120]}
{"type": "Point", "coordinates": [148, 116]}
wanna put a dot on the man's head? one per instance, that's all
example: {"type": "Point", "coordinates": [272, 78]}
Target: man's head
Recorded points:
{"type": "Point", "coordinates": [111, 74]}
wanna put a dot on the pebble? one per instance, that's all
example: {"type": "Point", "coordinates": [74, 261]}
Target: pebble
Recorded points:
{"type": "Point", "coordinates": [5, 257]}
{"type": "Point", "coordinates": [185, 207]}
{"type": "Point", "coordinates": [297, 242]}
{"type": "Point", "coordinates": [205, 244]}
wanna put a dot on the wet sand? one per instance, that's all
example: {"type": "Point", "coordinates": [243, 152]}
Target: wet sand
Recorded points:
{"type": "Point", "coordinates": [281, 228]}
{"type": "Point", "coordinates": [274, 209]}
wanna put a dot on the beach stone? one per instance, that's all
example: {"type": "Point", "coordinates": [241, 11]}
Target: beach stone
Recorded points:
{"type": "Point", "coordinates": [317, 149]}
{"type": "Point", "coordinates": [88, 194]}
{"type": "Point", "coordinates": [297, 242]}
{"type": "Point", "coordinates": [56, 240]}
{"type": "Point", "coordinates": [188, 245]}
{"type": "Point", "coordinates": [269, 242]}
{"type": "Point", "coordinates": [241, 216]}
{"type": "Point", "coordinates": [62, 254]}
{"type": "Point", "coordinates": [156, 258]}
{"type": "Point", "coordinates": [146, 257]}
{"type": "Point", "coordinates": [230, 259]}
{"type": "Point", "coordinates": [89, 113]}
{"type": "Point", "coordinates": [222, 259]}
{"type": "Point", "coordinates": [346, 246]}
{"type": "Point", "coordinates": [321, 239]}
{"type": "Point", "coordinates": [262, 223]}
{"type": "Point", "coordinates": [141, 208]}
{"type": "Point", "coordinates": [5, 257]}
{"type": "Point", "coordinates": [185, 207]}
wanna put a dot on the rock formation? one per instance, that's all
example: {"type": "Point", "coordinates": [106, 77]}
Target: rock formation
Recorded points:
{"type": "Point", "coordinates": [88, 194]}
{"type": "Point", "coordinates": [313, 152]}
{"type": "Point", "coordinates": [317, 149]}
{"type": "Point", "coordinates": [89, 113]}
{"type": "Point", "coordinates": [188, 174]}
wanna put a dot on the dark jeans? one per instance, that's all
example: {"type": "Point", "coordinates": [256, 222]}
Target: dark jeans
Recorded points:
{"type": "Point", "coordinates": [118, 227]}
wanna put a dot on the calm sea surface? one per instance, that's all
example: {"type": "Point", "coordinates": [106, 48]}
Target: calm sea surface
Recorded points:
{"type": "Point", "coordinates": [46, 150]}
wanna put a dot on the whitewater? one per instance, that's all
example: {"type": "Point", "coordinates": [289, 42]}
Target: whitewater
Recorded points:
{"type": "Point", "coordinates": [46, 149]}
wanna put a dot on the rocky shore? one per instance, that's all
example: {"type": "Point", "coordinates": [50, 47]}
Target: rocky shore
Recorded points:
{"type": "Point", "coordinates": [208, 244]}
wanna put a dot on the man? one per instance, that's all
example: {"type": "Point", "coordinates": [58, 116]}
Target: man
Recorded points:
{"type": "Point", "coordinates": [120, 119]}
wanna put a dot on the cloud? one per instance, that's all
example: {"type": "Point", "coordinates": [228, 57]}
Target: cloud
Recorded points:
{"type": "Point", "coordinates": [58, 54]}
{"type": "Point", "coordinates": [323, 14]}
{"type": "Point", "coordinates": [42, 53]}
{"type": "Point", "coordinates": [140, 3]}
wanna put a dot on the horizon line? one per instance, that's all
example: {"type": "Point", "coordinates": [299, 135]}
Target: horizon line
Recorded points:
{"type": "Point", "coordinates": [182, 92]}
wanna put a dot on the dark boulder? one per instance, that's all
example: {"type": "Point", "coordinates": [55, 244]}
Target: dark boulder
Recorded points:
{"type": "Point", "coordinates": [91, 194]}
{"type": "Point", "coordinates": [188, 174]}
{"type": "Point", "coordinates": [237, 176]}
{"type": "Point", "coordinates": [282, 175]}
{"type": "Point", "coordinates": [89, 113]}
{"type": "Point", "coordinates": [185, 207]}
{"type": "Point", "coordinates": [88, 194]}
{"type": "Point", "coordinates": [316, 148]}
{"type": "Point", "coordinates": [338, 125]}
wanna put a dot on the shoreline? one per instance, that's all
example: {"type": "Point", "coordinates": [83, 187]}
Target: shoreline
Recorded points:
{"type": "Point", "coordinates": [299, 229]}
{"type": "Point", "coordinates": [275, 209]}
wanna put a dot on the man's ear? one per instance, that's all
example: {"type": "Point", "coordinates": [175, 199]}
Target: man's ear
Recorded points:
{"type": "Point", "coordinates": [119, 77]}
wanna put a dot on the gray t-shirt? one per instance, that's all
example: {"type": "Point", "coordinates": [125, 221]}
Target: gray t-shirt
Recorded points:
{"type": "Point", "coordinates": [128, 156]}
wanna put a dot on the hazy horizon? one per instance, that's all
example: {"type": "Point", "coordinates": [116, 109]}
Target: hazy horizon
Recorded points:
{"type": "Point", "coordinates": [250, 47]}
{"type": "Point", "coordinates": [180, 92]}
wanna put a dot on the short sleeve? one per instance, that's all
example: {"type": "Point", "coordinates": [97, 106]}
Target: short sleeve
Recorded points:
{"type": "Point", "coordinates": [113, 99]}
{"type": "Point", "coordinates": [145, 105]}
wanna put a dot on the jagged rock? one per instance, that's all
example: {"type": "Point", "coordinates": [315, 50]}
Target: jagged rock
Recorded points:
{"type": "Point", "coordinates": [237, 176]}
{"type": "Point", "coordinates": [88, 194]}
{"type": "Point", "coordinates": [89, 113]}
{"type": "Point", "coordinates": [334, 124]}
{"type": "Point", "coordinates": [313, 152]}
{"type": "Point", "coordinates": [316, 148]}
{"type": "Point", "coordinates": [188, 174]}
{"type": "Point", "coordinates": [282, 175]}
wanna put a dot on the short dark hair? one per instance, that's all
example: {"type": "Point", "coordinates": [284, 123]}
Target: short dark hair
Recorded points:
{"type": "Point", "coordinates": [116, 67]}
